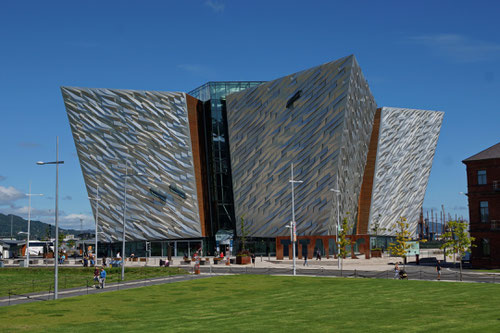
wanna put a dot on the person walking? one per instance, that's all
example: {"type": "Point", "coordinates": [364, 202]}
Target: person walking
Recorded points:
{"type": "Point", "coordinates": [318, 255]}
{"type": "Point", "coordinates": [102, 277]}
{"type": "Point", "coordinates": [305, 261]}
{"type": "Point", "coordinates": [96, 277]}
{"type": "Point", "coordinates": [396, 271]}
{"type": "Point", "coordinates": [438, 270]}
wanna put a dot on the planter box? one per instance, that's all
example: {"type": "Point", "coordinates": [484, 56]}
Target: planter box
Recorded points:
{"type": "Point", "coordinates": [376, 253]}
{"type": "Point", "coordinates": [243, 260]}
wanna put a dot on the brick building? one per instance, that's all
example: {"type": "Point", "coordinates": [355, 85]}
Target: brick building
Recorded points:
{"type": "Point", "coordinates": [483, 187]}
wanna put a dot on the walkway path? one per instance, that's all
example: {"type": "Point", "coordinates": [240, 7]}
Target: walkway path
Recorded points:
{"type": "Point", "coordinates": [44, 296]}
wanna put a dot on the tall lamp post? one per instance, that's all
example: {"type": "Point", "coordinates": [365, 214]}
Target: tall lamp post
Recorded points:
{"type": "Point", "coordinates": [96, 199]}
{"type": "Point", "coordinates": [126, 175]}
{"type": "Point", "coordinates": [29, 226]}
{"type": "Point", "coordinates": [56, 245]}
{"type": "Point", "coordinates": [293, 223]}
{"type": "Point", "coordinates": [337, 191]}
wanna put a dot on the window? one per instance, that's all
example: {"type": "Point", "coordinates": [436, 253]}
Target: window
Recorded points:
{"type": "Point", "coordinates": [485, 245]}
{"type": "Point", "coordinates": [483, 211]}
{"type": "Point", "coordinates": [481, 177]}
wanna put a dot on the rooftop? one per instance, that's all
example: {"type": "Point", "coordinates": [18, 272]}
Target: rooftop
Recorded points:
{"type": "Point", "coordinates": [489, 153]}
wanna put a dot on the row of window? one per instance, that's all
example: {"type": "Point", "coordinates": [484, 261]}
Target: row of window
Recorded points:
{"type": "Point", "coordinates": [484, 247]}
{"type": "Point", "coordinates": [481, 177]}
{"type": "Point", "coordinates": [484, 212]}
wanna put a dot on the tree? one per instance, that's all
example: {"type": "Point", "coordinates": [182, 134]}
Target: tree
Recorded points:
{"type": "Point", "coordinates": [457, 241]}
{"type": "Point", "coordinates": [376, 228]}
{"type": "Point", "coordinates": [342, 240]}
{"type": "Point", "coordinates": [402, 244]}
{"type": "Point", "coordinates": [71, 243]}
{"type": "Point", "coordinates": [243, 237]}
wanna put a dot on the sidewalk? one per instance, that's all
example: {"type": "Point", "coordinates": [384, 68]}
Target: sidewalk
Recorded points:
{"type": "Point", "coordinates": [79, 291]}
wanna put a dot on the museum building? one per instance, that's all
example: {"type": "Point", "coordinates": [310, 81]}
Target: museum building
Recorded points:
{"type": "Point", "coordinates": [189, 170]}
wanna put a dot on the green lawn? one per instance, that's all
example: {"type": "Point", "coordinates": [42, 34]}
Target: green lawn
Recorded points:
{"type": "Point", "coordinates": [486, 270]}
{"type": "Point", "coordinates": [26, 280]}
{"type": "Point", "coordinates": [270, 304]}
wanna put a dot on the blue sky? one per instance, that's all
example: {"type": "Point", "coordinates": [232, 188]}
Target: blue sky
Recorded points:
{"type": "Point", "coordinates": [437, 55]}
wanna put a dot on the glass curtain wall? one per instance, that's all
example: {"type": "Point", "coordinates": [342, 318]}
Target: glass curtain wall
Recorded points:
{"type": "Point", "coordinates": [213, 94]}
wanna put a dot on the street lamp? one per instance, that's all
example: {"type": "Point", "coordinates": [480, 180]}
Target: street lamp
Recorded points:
{"type": "Point", "coordinates": [97, 199]}
{"type": "Point", "coordinates": [56, 246]}
{"type": "Point", "coordinates": [29, 195]}
{"type": "Point", "coordinates": [293, 223]}
{"type": "Point", "coordinates": [124, 214]}
{"type": "Point", "coordinates": [337, 191]}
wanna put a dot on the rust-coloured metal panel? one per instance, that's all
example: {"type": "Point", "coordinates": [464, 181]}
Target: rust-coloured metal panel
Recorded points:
{"type": "Point", "coordinates": [365, 196]}
{"type": "Point", "coordinates": [195, 108]}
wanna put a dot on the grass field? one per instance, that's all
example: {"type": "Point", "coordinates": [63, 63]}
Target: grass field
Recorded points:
{"type": "Point", "coordinates": [270, 304]}
{"type": "Point", "coordinates": [26, 280]}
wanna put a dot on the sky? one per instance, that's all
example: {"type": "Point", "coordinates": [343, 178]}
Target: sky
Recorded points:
{"type": "Point", "coordinates": [435, 55]}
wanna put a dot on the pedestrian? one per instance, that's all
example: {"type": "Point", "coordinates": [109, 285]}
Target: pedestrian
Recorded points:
{"type": "Point", "coordinates": [104, 261]}
{"type": "Point", "coordinates": [118, 255]}
{"type": "Point", "coordinates": [92, 262]}
{"type": "Point", "coordinates": [438, 270]}
{"type": "Point", "coordinates": [253, 259]}
{"type": "Point", "coordinates": [318, 255]}
{"type": "Point", "coordinates": [396, 271]}
{"type": "Point", "coordinates": [85, 262]}
{"type": "Point", "coordinates": [305, 261]}
{"type": "Point", "coordinates": [96, 277]}
{"type": "Point", "coordinates": [102, 277]}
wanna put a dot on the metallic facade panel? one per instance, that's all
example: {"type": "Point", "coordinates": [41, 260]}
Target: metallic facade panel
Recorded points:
{"type": "Point", "coordinates": [150, 130]}
{"type": "Point", "coordinates": [320, 119]}
{"type": "Point", "coordinates": [406, 146]}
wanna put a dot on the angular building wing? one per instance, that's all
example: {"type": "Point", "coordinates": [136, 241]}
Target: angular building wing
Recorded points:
{"type": "Point", "coordinates": [405, 147]}
{"type": "Point", "coordinates": [144, 139]}
{"type": "Point", "coordinates": [320, 119]}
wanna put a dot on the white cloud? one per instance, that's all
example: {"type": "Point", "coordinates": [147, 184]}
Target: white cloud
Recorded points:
{"type": "Point", "coordinates": [458, 47]}
{"type": "Point", "coordinates": [29, 144]}
{"type": "Point", "coordinates": [36, 214]}
{"type": "Point", "coordinates": [196, 69]}
{"type": "Point", "coordinates": [10, 194]}
{"type": "Point", "coordinates": [72, 221]}
{"type": "Point", "coordinates": [216, 6]}
{"type": "Point", "coordinates": [83, 44]}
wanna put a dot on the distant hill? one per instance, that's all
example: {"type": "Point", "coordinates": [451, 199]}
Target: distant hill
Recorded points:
{"type": "Point", "coordinates": [39, 230]}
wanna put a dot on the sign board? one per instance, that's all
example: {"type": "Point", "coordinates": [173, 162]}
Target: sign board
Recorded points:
{"type": "Point", "coordinates": [414, 249]}
{"type": "Point", "coordinates": [224, 237]}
